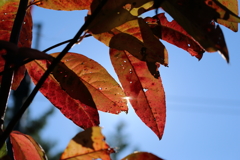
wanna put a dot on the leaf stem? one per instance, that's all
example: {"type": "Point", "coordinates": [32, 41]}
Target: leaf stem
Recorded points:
{"type": "Point", "coordinates": [47, 73]}
{"type": "Point", "coordinates": [7, 77]}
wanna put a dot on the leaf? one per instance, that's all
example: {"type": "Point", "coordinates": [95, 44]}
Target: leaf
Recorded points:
{"type": "Point", "coordinates": [137, 38]}
{"type": "Point", "coordinates": [173, 33]}
{"type": "Point", "coordinates": [197, 19]}
{"type": "Point", "coordinates": [72, 98]}
{"type": "Point", "coordinates": [117, 12]}
{"type": "Point", "coordinates": [25, 147]}
{"type": "Point", "coordinates": [142, 156]}
{"type": "Point", "coordinates": [68, 5]}
{"type": "Point", "coordinates": [7, 15]}
{"type": "Point", "coordinates": [146, 93]}
{"type": "Point", "coordinates": [232, 5]}
{"type": "Point", "coordinates": [105, 91]}
{"type": "Point", "coordinates": [87, 145]}
{"type": "Point", "coordinates": [3, 152]}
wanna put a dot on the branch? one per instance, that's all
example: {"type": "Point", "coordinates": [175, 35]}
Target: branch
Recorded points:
{"type": "Point", "coordinates": [55, 62]}
{"type": "Point", "coordinates": [8, 76]}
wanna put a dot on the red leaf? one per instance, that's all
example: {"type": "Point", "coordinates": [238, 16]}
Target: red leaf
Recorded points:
{"type": "Point", "coordinates": [71, 97]}
{"type": "Point", "coordinates": [68, 5]}
{"type": "Point", "coordinates": [105, 91]}
{"type": "Point", "coordinates": [138, 34]}
{"type": "Point", "coordinates": [197, 18]}
{"type": "Point", "coordinates": [146, 93]}
{"type": "Point", "coordinates": [142, 156]}
{"type": "Point", "coordinates": [88, 145]}
{"type": "Point", "coordinates": [173, 33]}
{"type": "Point", "coordinates": [25, 147]}
{"type": "Point", "coordinates": [7, 15]}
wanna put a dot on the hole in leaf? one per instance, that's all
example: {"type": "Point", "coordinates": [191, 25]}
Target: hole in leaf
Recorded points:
{"type": "Point", "coordinates": [145, 90]}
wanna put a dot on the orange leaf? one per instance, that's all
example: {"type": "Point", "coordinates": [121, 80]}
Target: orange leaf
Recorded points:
{"type": "Point", "coordinates": [68, 5]}
{"type": "Point", "coordinates": [232, 5]}
{"type": "Point", "coordinates": [7, 15]}
{"type": "Point", "coordinates": [25, 147]}
{"type": "Point", "coordinates": [88, 145]}
{"type": "Point", "coordinates": [173, 33]}
{"type": "Point", "coordinates": [146, 93]}
{"type": "Point", "coordinates": [71, 97]}
{"type": "Point", "coordinates": [142, 156]}
{"type": "Point", "coordinates": [105, 91]}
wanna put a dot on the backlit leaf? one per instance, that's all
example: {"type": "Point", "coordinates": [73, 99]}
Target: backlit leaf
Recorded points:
{"type": "Point", "coordinates": [137, 38]}
{"type": "Point", "coordinates": [72, 98]}
{"type": "Point", "coordinates": [198, 20]}
{"type": "Point", "coordinates": [106, 92]}
{"type": "Point", "coordinates": [146, 93]}
{"type": "Point", "coordinates": [7, 15]}
{"type": "Point", "coordinates": [87, 145]}
{"type": "Point", "coordinates": [65, 5]}
{"type": "Point", "coordinates": [25, 147]}
{"type": "Point", "coordinates": [142, 156]}
{"type": "Point", "coordinates": [117, 12]}
{"type": "Point", "coordinates": [232, 5]}
{"type": "Point", "coordinates": [173, 33]}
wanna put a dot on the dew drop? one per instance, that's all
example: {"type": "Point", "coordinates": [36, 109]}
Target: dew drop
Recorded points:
{"type": "Point", "coordinates": [125, 61]}
{"type": "Point", "coordinates": [24, 22]}
{"type": "Point", "coordinates": [130, 81]}
{"type": "Point", "coordinates": [5, 13]}
{"type": "Point", "coordinates": [65, 76]}
{"type": "Point", "coordinates": [130, 72]}
{"type": "Point", "coordinates": [100, 88]}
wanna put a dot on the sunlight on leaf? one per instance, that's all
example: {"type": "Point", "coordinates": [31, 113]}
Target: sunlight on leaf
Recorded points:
{"type": "Point", "coordinates": [25, 147]}
{"type": "Point", "coordinates": [137, 38]}
{"type": "Point", "coordinates": [146, 92]}
{"type": "Point", "coordinates": [105, 91]}
{"type": "Point", "coordinates": [88, 145]}
{"type": "Point", "coordinates": [142, 156]}
{"type": "Point", "coordinates": [73, 100]}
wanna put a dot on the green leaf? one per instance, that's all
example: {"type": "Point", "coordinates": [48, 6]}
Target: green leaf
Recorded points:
{"type": "Point", "coordinates": [3, 151]}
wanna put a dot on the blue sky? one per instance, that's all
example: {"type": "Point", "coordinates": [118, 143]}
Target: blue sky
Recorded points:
{"type": "Point", "coordinates": [203, 97]}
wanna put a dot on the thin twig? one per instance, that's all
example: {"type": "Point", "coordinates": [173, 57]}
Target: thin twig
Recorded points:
{"type": "Point", "coordinates": [46, 50]}
{"type": "Point", "coordinates": [18, 116]}
{"type": "Point", "coordinates": [8, 76]}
